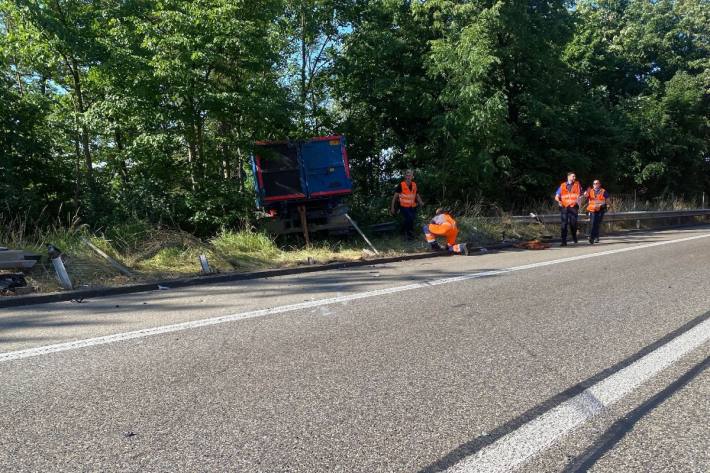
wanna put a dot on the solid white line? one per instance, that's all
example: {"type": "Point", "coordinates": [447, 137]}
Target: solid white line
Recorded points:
{"type": "Point", "coordinates": [59, 347]}
{"type": "Point", "coordinates": [519, 446]}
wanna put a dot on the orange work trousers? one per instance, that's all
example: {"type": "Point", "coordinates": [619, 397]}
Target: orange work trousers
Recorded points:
{"type": "Point", "coordinates": [445, 230]}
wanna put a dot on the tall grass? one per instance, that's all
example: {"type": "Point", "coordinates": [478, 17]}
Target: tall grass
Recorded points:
{"type": "Point", "coordinates": [19, 233]}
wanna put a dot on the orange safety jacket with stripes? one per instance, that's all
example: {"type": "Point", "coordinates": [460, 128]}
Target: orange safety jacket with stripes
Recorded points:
{"type": "Point", "coordinates": [597, 199]}
{"type": "Point", "coordinates": [569, 198]}
{"type": "Point", "coordinates": [408, 196]}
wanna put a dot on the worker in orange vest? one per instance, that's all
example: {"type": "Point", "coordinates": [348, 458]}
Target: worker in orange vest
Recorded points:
{"type": "Point", "coordinates": [596, 206]}
{"type": "Point", "coordinates": [407, 196]}
{"type": "Point", "coordinates": [443, 224]}
{"type": "Point", "coordinates": [569, 196]}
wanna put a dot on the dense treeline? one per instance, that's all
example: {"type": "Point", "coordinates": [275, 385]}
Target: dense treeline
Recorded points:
{"type": "Point", "coordinates": [146, 109]}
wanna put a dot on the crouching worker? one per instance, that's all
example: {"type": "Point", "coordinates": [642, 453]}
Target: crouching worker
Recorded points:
{"type": "Point", "coordinates": [444, 225]}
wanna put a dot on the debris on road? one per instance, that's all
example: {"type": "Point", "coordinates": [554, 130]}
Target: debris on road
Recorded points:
{"type": "Point", "coordinates": [13, 283]}
{"type": "Point", "coordinates": [532, 245]}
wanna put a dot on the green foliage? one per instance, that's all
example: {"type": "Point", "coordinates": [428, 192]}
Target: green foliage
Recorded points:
{"type": "Point", "coordinates": [146, 111]}
{"type": "Point", "coordinates": [386, 104]}
{"type": "Point", "coordinates": [33, 179]}
{"type": "Point", "coordinates": [650, 63]}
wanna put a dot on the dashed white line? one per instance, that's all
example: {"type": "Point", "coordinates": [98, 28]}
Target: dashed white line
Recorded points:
{"type": "Point", "coordinates": [89, 342]}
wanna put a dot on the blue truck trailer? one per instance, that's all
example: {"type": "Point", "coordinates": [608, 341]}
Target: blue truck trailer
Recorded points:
{"type": "Point", "coordinates": [301, 185]}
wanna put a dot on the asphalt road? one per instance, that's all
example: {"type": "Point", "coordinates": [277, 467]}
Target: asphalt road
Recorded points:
{"type": "Point", "coordinates": [415, 366]}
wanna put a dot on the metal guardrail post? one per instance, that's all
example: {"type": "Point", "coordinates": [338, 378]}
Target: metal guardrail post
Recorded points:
{"type": "Point", "coordinates": [62, 274]}
{"type": "Point", "coordinates": [205, 264]}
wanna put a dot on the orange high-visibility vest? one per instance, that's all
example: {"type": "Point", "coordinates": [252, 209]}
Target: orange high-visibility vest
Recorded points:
{"type": "Point", "coordinates": [570, 198]}
{"type": "Point", "coordinates": [596, 200]}
{"type": "Point", "coordinates": [408, 197]}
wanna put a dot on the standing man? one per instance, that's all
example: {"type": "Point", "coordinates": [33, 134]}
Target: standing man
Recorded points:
{"type": "Point", "coordinates": [408, 197]}
{"type": "Point", "coordinates": [596, 206]}
{"type": "Point", "coordinates": [444, 225]}
{"type": "Point", "coordinates": [568, 196]}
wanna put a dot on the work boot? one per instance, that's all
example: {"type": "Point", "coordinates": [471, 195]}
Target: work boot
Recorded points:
{"type": "Point", "coordinates": [564, 243]}
{"type": "Point", "coordinates": [591, 241]}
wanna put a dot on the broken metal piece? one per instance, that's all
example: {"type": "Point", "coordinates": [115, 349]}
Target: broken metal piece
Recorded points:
{"type": "Point", "coordinates": [12, 281]}
{"type": "Point", "coordinates": [118, 266]}
{"type": "Point", "coordinates": [204, 264]}
{"type": "Point", "coordinates": [55, 256]}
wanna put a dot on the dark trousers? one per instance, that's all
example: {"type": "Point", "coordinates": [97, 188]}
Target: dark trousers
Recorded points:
{"type": "Point", "coordinates": [568, 219]}
{"type": "Point", "coordinates": [409, 215]}
{"type": "Point", "coordinates": [595, 219]}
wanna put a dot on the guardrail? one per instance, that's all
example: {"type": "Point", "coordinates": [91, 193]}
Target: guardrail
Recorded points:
{"type": "Point", "coordinates": [616, 216]}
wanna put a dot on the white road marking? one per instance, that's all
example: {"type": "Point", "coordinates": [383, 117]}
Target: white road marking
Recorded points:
{"type": "Point", "coordinates": [519, 446]}
{"type": "Point", "coordinates": [148, 332]}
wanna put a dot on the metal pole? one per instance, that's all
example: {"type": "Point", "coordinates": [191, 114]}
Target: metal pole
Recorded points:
{"type": "Point", "coordinates": [205, 265]}
{"type": "Point", "coordinates": [361, 234]}
{"type": "Point", "coordinates": [118, 266]}
{"type": "Point", "coordinates": [62, 274]}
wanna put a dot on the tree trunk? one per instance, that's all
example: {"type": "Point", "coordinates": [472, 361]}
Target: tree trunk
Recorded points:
{"type": "Point", "coordinates": [88, 162]}
{"type": "Point", "coordinates": [77, 169]}
{"type": "Point", "coordinates": [240, 169]}
{"type": "Point", "coordinates": [304, 93]}
{"type": "Point", "coordinates": [191, 157]}
{"type": "Point", "coordinates": [121, 162]}
{"type": "Point", "coordinates": [199, 135]}
{"type": "Point", "coordinates": [224, 149]}
{"type": "Point", "coordinates": [314, 109]}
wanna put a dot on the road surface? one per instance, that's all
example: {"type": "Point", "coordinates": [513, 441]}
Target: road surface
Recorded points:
{"type": "Point", "coordinates": [586, 358]}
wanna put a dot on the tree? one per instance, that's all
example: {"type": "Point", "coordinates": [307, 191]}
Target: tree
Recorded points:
{"type": "Point", "coordinates": [66, 30]}
{"type": "Point", "coordinates": [34, 181]}
{"type": "Point", "coordinates": [650, 61]}
{"type": "Point", "coordinates": [509, 96]}
{"type": "Point", "coordinates": [383, 99]}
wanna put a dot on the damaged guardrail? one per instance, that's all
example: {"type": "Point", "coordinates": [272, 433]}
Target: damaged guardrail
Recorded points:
{"type": "Point", "coordinates": [616, 216]}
